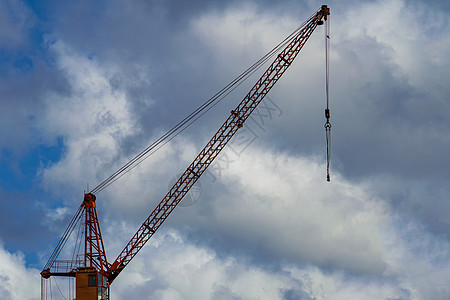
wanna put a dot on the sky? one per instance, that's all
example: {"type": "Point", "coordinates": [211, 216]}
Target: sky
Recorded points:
{"type": "Point", "coordinates": [86, 85]}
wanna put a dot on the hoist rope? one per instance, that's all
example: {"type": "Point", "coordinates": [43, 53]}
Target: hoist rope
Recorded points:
{"type": "Point", "coordinates": [195, 115]}
{"type": "Point", "coordinates": [43, 289]}
{"type": "Point", "coordinates": [51, 291]}
{"type": "Point", "coordinates": [327, 109]}
{"type": "Point", "coordinates": [78, 244]}
{"type": "Point", "coordinates": [57, 286]}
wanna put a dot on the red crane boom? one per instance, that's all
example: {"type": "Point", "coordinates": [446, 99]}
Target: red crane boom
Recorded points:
{"type": "Point", "coordinates": [93, 273]}
{"type": "Point", "coordinates": [215, 145]}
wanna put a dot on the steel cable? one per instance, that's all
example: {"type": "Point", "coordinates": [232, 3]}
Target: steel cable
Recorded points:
{"type": "Point", "coordinates": [327, 110]}
{"type": "Point", "coordinates": [194, 116]}
{"type": "Point", "coordinates": [64, 239]}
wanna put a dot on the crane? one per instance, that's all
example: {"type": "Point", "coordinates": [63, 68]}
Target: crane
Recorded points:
{"type": "Point", "coordinates": [92, 271]}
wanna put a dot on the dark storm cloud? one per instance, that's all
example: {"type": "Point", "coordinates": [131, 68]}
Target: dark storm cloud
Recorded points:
{"type": "Point", "coordinates": [437, 5]}
{"type": "Point", "coordinates": [389, 115]}
{"type": "Point", "coordinates": [389, 127]}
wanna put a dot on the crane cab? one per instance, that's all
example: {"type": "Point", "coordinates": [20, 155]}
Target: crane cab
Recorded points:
{"type": "Point", "coordinates": [91, 285]}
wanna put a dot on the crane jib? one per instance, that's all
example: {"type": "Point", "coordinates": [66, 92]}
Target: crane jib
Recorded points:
{"type": "Point", "coordinates": [95, 261]}
{"type": "Point", "coordinates": [206, 156]}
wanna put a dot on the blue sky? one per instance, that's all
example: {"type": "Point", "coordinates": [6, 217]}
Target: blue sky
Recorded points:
{"type": "Point", "coordinates": [86, 86]}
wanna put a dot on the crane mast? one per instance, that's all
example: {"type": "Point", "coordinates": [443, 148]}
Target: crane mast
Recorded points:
{"type": "Point", "coordinates": [94, 270]}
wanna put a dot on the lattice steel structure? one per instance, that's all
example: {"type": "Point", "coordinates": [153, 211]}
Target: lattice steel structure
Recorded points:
{"type": "Point", "coordinates": [93, 270]}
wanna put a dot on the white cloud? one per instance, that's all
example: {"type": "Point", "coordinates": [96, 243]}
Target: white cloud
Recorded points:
{"type": "Point", "coordinates": [180, 270]}
{"type": "Point", "coordinates": [171, 267]}
{"type": "Point", "coordinates": [283, 204]}
{"type": "Point", "coordinates": [239, 33]}
{"type": "Point", "coordinates": [93, 119]}
{"type": "Point", "coordinates": [419, 260]}
{"type": "Point", "coordinates": [327, 241]}
{"type": "Point", "coordinates": [417, 38]}
{"type": "Point", "coordinates": [138, 192]}
{"type": "Point", "coordinates": [17, 282]}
